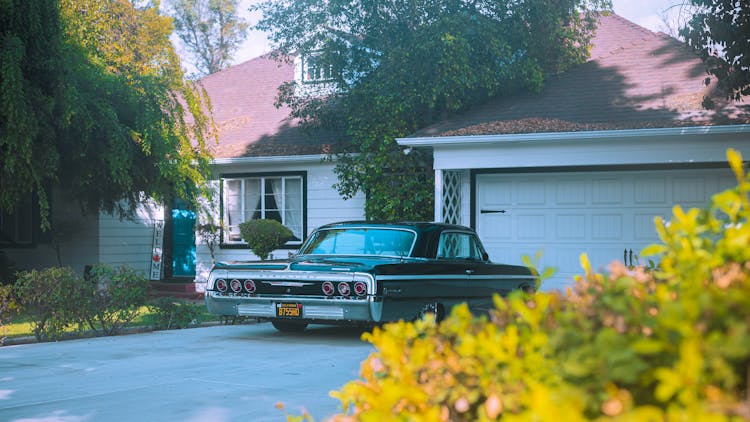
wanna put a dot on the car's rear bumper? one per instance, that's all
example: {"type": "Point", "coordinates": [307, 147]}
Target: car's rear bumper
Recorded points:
{"type": "Point", "coordinates": [312, 308]}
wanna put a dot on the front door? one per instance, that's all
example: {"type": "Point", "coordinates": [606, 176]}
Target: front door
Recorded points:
{"type": "Point", "coordinates": [183, 240]}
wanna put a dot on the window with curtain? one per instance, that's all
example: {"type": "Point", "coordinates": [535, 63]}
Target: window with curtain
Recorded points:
{"type": "Point", "coordinates": [277, 198]}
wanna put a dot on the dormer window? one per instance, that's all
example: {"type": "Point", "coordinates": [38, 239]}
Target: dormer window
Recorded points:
{"type": "Point", "coordinates": [314, 71]}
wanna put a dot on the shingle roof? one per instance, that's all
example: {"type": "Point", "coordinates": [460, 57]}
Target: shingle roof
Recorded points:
{"type": "Point", "coordinates": [634, 79]}
{"type": "Point", "coordinates": [248, 123]}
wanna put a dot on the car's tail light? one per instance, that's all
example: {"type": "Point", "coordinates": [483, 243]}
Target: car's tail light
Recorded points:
{"type": "Point", "coordinates": [344, 289]}
{"type": "Point", "coordinates": [250, 286]}
{"type": "Point", "coordinates": [328, 288]}
{"type": "Point", "coordinates": [221, 285]}
{"type": "Point", "coordinates": [235, 285]}
{"type": "Point", "coordinates": [360, 288]}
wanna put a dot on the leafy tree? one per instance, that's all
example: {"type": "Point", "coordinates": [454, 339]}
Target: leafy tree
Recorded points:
{"type": "Point", "coordinates": [34, 99]}
{"type": "Point", "coordinates": [93, 102]}
{"type": "Point", "coordinates": [399, 66]}
{"type": "Point", "coordinates": [211, 31]}
{"type": "Point", "coordinates": [719, 31]}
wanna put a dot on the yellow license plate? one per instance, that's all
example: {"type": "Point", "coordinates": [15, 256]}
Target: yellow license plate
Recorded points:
{"type": "Point", "coordinates": [289, 310]}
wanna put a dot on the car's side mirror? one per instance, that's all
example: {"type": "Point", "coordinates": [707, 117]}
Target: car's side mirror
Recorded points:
{"type": "Point", "coordinates": [485, 256]}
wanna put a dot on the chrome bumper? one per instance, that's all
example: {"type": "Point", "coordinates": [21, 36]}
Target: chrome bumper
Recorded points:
{"type": "Point", "coordinates": [313, 309]}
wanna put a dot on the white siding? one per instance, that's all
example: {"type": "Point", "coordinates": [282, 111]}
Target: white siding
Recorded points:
{"type": "Point", "coordinates": [129, 243]}
{"type": "Point", "coordinates": [78, 240]}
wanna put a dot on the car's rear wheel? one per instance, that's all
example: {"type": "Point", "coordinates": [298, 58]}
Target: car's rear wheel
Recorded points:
{"type": "Point", "coordinates": [289, 327]}
{"type": "Point", "coordinates": [433, 310]}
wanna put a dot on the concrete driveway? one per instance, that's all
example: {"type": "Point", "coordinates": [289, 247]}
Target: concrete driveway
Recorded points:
{"type": "Point", "coordinates": [221, 373]}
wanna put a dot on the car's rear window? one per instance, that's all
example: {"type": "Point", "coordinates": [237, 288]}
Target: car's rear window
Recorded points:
{"type": "Point", "coordinates": [360, 241]}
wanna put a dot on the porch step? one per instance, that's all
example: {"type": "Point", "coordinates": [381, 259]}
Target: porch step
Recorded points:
{"type": "Point", "coordinates": [176, 290]}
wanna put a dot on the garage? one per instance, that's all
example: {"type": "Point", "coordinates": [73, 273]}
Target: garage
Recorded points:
{"type": "Point", "coordinates": [565, 193]}
{"type": "Point", "coordinates": [606, 214]}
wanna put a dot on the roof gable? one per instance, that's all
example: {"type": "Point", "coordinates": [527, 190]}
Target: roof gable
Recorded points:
{"type": "Point", "coordinates": [248, 122]}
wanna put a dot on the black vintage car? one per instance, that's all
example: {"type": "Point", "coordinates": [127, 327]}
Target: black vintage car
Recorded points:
{"type": "Point", "coordinates": [366, 273]}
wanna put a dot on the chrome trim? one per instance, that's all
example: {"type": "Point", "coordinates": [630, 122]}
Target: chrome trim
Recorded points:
{"type": "Point", "coordinates": [322, 312]}
{"type": "Point", "coordinates": [455, 276]}
{"type": "Point", "coordinates": [421, 277]}
{"type": "Point", "coordinates": [502, 277]}
{"type": "Point", "coordinates": [260, 310]}
{"type": "Point", "coordinates": [313, 308]}
{"type": "Point", "coordinates": [287, 283]}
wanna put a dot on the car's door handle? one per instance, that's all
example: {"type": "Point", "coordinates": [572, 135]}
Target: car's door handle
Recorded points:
{"type": "Point", "coordinates": [469, 272]}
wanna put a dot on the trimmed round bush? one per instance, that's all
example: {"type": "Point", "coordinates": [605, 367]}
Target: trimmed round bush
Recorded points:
{"type": "Point", "coordinates": [263, 236]}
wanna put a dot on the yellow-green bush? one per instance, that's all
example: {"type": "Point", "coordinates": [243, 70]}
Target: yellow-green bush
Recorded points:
{"type": "Point", "coordinates": [632, 345]}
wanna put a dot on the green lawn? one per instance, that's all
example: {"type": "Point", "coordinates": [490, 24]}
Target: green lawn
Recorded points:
{"type": "Point", "coordinates": [20, 326]}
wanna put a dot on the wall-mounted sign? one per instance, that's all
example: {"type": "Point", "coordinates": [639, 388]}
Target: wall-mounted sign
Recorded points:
{"type": "Point", "coordinates": [157, 250]}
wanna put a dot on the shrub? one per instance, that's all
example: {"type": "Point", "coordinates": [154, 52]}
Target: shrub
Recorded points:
{"type": "Point", "coordinates": [631, 345]}
{"type": "Point", "coordinates": [53, 298]}
{"type": "Point", "coordinates": [210, 235]}
{"type": "Point", "coordinates": [168, 313]}
{"type": "Point", "coordinates": [7, 270]}
{"type": "Point", "coordinates": [115, 295]}
{"type": "Point", "coordinates": [264, 236]}
{"type": "Point", "coordinates": [7, 305]}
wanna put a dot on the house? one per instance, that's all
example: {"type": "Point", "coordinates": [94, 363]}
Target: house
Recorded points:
{"type": "Point", "coordinates": [583, 166]}
{"type": "Point", "coordinates": [265, 166]}
{"type": "Point", "coordinates": [586, 165]}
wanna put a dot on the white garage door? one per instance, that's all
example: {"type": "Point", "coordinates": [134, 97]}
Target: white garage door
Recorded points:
{"type": "Point", "coordinates": [603, 214]}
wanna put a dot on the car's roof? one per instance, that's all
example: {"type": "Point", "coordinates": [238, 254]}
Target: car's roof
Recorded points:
{"type": "Point", "coordinates": [414, 225]}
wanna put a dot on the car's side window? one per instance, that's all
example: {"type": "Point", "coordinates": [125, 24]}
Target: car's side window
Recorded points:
{"type": "Point", "coordinates": [458, 245]}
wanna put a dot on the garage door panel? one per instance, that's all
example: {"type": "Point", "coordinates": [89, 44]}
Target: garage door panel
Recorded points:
{"type": "Point", "coordinates": [606, 226]}
{"type": "Point", "coordinates": [502, 227]}
{"type": "Point", "coordinates": [650, 191]}
{"type": "Point", "coordinates": [600, 213]}
{"type": "Point", "coordinates": [571, 226]}
{"type": "Point", "coordinates": [600, 257]}
{"type": "Point", "coordinates": [531, 193]}
{"type": "Point", "coordinates": [505, 254]}
{"type": "Point", "coordinates": [570, 192]}
{"type": "Point", "coordinates": [726, 182]}
{"type": "Point", "coordinates": [690, 191]}
{"type": "Point", "coordinates": [531, 226]}
{"type": "Point", "coordinates": [497, 193]}
{"type": "Point", "coordinates": [643, 227]}
{"type": "Point", "coordinates": [606, 192]}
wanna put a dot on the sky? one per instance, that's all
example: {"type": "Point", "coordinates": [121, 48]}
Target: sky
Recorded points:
{"type": "Point", "coordinates": [647, 13]}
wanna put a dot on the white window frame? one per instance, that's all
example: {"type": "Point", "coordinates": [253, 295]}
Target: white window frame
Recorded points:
{"type": "Point", "coordinates": [230, 234]}
{"type": "Point", "coordinates": [313, 72]}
